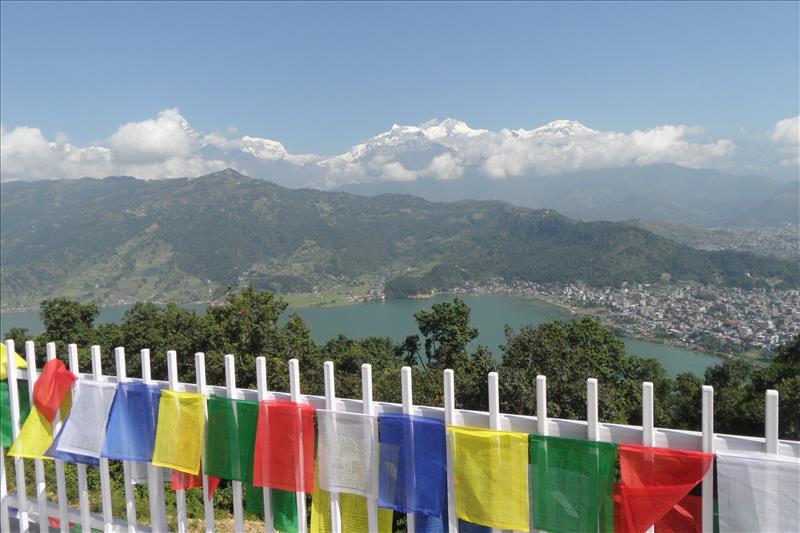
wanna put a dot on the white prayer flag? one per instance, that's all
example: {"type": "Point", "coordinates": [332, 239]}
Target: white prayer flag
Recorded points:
{"type": "Point", "coordinates": [347, 453]}
{"type": "Point", "coordinates": [758, 492]}
{"type": "Point", "coordinates": [85, 428]}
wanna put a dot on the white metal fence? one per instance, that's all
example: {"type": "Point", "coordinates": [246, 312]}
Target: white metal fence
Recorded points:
{"type": "Point", "coordinates": [20, 509]}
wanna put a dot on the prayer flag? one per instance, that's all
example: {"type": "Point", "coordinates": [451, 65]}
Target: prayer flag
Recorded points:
{"type": "Point", "coordinates": [34, 437]}
{"type": "Point", "coordinates": [284, 454]}
{"type": "Point", "coordinates": [491, 477]}
{"type": "Point", "coordinates": [19, 361]}
{"type": "Point", "coordinates": [284, 511]}
{"type": "Point", "coordinates": [52, 387]}
{"type": "Point", "coordinates": [131, 431]}
{"type": "Point", "coordinates": [85, 428]}
{"type": "Point", "coordinates": [284, 507]}
{"type": "Point", "coordinates": [183, 481]}
{"type": "Point", "coordinates": [413, 466]}
{"type": "Point", "coordinates": [6, 434]}
{"type": "Point", "coordinates": [653, 481]}
{"type": "Point", "coordinates": [230, 438]}
{"type": "Point", "coordinates": [573, 484]}
{"type": "Point", "coordinates": [758, 492]}
{"type": "Point", "coordinates": [347, 453]}
{"type": "Point", "coordinates": [352, 509]}
{"type": "Point", "coordinates": [179, 433]}
{"type": "Point", "coordinates": [54, 453]}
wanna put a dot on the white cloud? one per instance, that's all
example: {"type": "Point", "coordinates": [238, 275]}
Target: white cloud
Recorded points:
{"type": "Point", "coordinates": [786, 134]}
{"type": "Point", "coordinates": [166, 147]}
{"type": "Point", "coordinates": [149, 141]}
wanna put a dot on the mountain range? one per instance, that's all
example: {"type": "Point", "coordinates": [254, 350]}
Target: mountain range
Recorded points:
{"type": "Point", "coordinates": [121, 238]}
{"type": "Point", "coordinates": [563, 165]}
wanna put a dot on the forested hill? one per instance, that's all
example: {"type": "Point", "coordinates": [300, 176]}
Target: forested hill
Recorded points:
{"type": "Point", "coordinates": [179, 239]}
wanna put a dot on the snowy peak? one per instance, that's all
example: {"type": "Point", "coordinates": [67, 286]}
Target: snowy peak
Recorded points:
{"type": "Point", "coordinates": [557, 129]}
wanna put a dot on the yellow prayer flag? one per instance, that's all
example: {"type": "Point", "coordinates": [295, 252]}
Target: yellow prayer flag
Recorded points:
{"type": "Point", "coordinates": [353, 510]}
{"type": "Point", "coordinates": [35, 437]}
{"type": "Point", "coordinates": [491, 477]}
{"type": "Point", "coordinates": [21, 363]}
{"type": "Point", "coordinates": [180, 431]}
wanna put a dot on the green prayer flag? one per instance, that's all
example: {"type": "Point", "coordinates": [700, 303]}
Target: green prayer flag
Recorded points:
{"type": "Point", "coordinates": [254, 499]}
{"type": "Point", "coordinates": [230, 438]}
{"type": "Point", "coordinates": [573, 484]}
{"type": "Point", "coordinates": [284, 507]}
{"type": "Point", "coordinates": [6, 437]}
{"type": "Point", "coordinates": [284, 511]}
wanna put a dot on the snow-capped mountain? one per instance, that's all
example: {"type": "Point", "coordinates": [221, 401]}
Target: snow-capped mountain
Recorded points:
{"type": "Point", "coordinates": [450, 149]}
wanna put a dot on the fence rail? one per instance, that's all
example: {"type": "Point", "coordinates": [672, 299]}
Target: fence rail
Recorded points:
{"type": "Point", "coordinates": [38, 508]}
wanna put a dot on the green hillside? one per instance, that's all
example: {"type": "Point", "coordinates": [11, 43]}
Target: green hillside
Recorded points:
{"type": "Point", "coordinates": [185, 239]}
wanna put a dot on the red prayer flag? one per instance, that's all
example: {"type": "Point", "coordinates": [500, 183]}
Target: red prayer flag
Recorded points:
{"type": "Point", "coordinates": [685, 516]}
{"type": "Point", "coordinates": [52, 386]}
{"type": "Point", "coordinates": [284, 457]}
{"type": "Point", "coordinates": [184, 481]}
{"type": "Point", "coordinates": [654, 481]}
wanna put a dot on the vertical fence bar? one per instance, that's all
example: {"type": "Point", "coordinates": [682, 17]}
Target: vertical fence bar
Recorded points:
{"type": "Point", "coordinates": [541, 405]}
{"type": "Point", "coordinates": [230, 385]}
{"type": "Point", "coordinates": [105, 477]}
{"type": "Point", "coordinates": [494, 408]}
{"type": "Point", "coordinates": [155, 480]}
{"type": "Point", "coordinates": [41, 486]}
{"type": "Point", "coordinates": [294, 389]}
{"type": "Point", "coordinates": [408, 403]}
{"type": "Point", "coordinates": [708, 447]}
{"type": "Point", "coordinates": [180, 494]}
{"type": "Point", "coordinates": [261, 383]}
{"type": "Point", "coordinates": [130, 500]}
{"type": "Point", "coordinates": [771, 422]}
{"type": "Point", "coordinates": [5, 520]}
{"type": "Point", "coordinates": [19, 463]}
{"type": "Point", "coordinates": [648, 435]}
{"type": "Point", "coordinates": [368, 409]}
{"type": "Point", "coordinates": [592, 415]}
{"type": "Point", "coordinates": [330, 405]}
{"type": "Point", "coordinates": [61, 477]}
{"type": "Point", "coordinates": [208, 504]}
{"type": "Point", "coordinates": [449, 412]}
{"type": "Point", "coordinates": [83, 485]}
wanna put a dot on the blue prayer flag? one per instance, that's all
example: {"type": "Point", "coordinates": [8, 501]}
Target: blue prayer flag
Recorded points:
{"type": "Point", "coordinates": [131, 430]}
{"type": "Point", "coordinates": [413, 468]}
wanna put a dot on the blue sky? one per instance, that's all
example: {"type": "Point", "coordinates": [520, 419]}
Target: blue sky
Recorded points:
{"type": "Point", "coordinates": [321, 77]}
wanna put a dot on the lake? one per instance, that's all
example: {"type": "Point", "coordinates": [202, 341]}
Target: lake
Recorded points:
{"type": "Point", "coordinates": [394, 319]}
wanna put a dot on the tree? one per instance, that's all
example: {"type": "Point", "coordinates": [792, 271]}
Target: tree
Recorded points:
{"type": "Point", "coordinates": [447, 331]}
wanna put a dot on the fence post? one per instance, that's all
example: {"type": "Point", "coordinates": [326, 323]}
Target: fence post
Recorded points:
{"type": "Point", "coordinates": [180, 494]}
{"type": "Point", "coordinates": [61, 479]}
{"type": "Point", "coordinates": [592, 415]}
{"type": "Point", "coordinates": [19, 463]}
{"type": "Point", "coordinates": [208, 505]}
{"type": "Point", "coordinates": [494, 408]}
{"type": "Point", "coordinates": [41, 486]}
{"type": "Point", "coordinates": [230, 385]}
{"type": "Point", "coordinates": [541, 405]}
{"type": "Point", "coordinates": [261, 383]}
{"type": "Point", "coordinates": [449, 412]}
{"type": "Point", "coordinates": [366, 397]}
{"type": "Point", "coordinates": [408, 402]}
{"type": "Point", "coordinates": [83, 485]}
{"type": "Point", "coordinates": [105, 476]}
{"type": "Point", "coordinates": [771, 422]}
{"type": "Point", "coordinates": [294, 389]}
{"type": "Point", "coordinates": [130, 499]}
{"type": "Point", "coordinates": [708, 447]}
{"type": "Point", "coordinates": [155, 478]}
{"type": "Point", "coordinates": [330, 405]}
{"type": "Point", "coordinates": [648, 435]}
